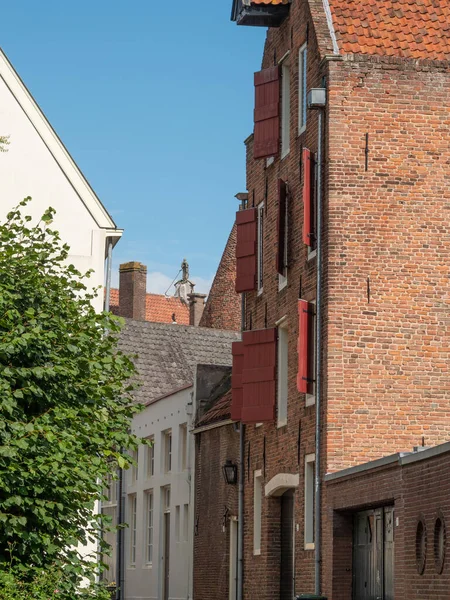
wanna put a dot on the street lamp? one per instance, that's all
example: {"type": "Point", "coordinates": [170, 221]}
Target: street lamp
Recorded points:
{"type": "Point", "coordinates": [229, 471]}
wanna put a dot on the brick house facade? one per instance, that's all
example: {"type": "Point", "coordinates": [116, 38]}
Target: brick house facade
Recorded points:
{"type": "Point", "coordinates": [386, 248]}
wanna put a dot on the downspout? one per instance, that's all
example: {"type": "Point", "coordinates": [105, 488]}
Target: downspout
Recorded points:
{"type": "Point", "coordinates": [240, 549]}
{"type": "Point", "coordinates": [108, 275]}
{"type": "Point", "coordinates": [120, 575]}
{"type": "Point", "coordinates": [318, 349]}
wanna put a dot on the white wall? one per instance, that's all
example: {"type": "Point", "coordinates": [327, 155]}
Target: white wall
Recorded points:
{"type": "Point", "coordinates": [30, 169]}
{"type": "Point", "coordinates": [142, 581]}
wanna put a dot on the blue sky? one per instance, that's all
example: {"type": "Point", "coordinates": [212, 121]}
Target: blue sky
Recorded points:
{"type": "Point", "coordinates": [153, 100]}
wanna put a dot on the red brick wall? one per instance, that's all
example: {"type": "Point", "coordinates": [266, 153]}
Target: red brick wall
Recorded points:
{"type": "Point", "coordinates": [212, 497]}
{"type": "Point", "coordinates": [386, 358]}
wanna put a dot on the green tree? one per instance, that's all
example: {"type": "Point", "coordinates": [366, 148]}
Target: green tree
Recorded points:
{"type": "Point", "coordinates": [65, 403]}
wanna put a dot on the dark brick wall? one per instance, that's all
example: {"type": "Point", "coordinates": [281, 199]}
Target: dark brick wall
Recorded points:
{"type": "Point", "coordinates": [212, 497]}
{"type": "Point", "coordinates": [133, 286]}
{"type": "Point", "coordinates": [420, 489]}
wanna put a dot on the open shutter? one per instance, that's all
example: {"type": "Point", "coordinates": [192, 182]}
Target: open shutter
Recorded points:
{"type": "Point", "coordinates": [281, 225]}
{"type": "Point", "coordinates": [303, 345]}
{"type": "Point", "coordinates": [237, 350]}
{"type": "Point", "coordinates": [267, 113]}
{"type": "Point", "coordinates": [246, 241]}
{"type": "Point", "coordinates": [307, 196]}
{"type": "Point", "coordinates": [258, 376]}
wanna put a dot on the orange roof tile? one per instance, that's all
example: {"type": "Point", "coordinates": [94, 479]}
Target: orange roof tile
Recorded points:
{"type": "Point", "coordinates": [418, 29]}
{"type": "Point", "coordinates": [158, 308]}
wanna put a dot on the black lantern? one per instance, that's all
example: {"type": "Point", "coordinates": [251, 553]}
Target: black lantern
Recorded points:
{"type": "Point", "coordinates": [229, 471]}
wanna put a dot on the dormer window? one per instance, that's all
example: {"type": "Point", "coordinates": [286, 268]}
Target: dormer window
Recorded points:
{"type": "Point", "coordinates": [258, 13]}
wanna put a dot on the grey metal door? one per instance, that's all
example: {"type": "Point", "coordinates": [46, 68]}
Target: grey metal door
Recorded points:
{"type": "Point", "coordinates": [373, 554]}
{"type": "Point", "coordinates": [287, 546]}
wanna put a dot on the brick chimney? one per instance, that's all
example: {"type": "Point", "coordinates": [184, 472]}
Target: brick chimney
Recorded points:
{"type": "Point", "coordinates": [196, 308]}
{"type": "Point", "coordinates": [132, 290]}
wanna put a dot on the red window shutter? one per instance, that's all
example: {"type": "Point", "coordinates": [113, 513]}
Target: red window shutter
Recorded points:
{"type": "Point", "coordinates": [307, 196]}
{"type": "Point", "coordinates": [281, 225]}
{"type": "Point", "coordinates": [246, 240]}
{"type": "Point", "coordinates": [237, 350]}
{"type": "Point", "coordinates": [267, 113]}
{"type": "Point", "coordinates": [303, 345]}
{"type": "Point", "coordinates": [258, 376]}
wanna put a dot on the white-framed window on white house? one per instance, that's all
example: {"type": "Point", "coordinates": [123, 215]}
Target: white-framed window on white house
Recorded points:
{"type": "Point", "coordinates": [109, 509]}
{"type": "Point", "coordinates": [182, 446]}
{"type": "Point", "coordinates": [150, 457]}
{"type": "Point", "coordinates": [285, 107]}
{"type": "Point", "coordinates": [149, 527]}
{"type": "Point", "coordinates": [282, 374]}
{"type": "Point", "coordinates": [257, 511]}
{"type": "Point", "coordinates": [302, 88]}
{"type": "Point", "coordinates": [310, 461]}
{"type": "Point", "coordinates": [185, 522]}
{"type": "Point", "coordinates": [167, 455]}
{"type": "Point", "coordinates": [134, 470]}
{"type": "Point", "coordinates": [282, 277]}
{"type": "Point", "coordinates": [260, 247]}
{"type": "Point", "coordinates": [132, 504]}
{"type": "Point", "coordinates": [177, 523]}
{"type": "Point", "coordinates": [310, 397]}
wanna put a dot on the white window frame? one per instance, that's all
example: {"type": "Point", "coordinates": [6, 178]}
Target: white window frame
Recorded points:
{"type": "Point", "coordinates": [310, 461]}
{"type": "Point", "coordinates": [257, 512]}
{"type": "Point", "coordinates": [285, 107]}
{"type": "Point", "coordinates": [168, 451]}
{"type": "Point", "coordinates": [260, 248]}
{"type": "Point", "coordinates": [185, 522]}
{"type": "Point", "coordinates": [282, 278]}
{"type": "Point", "coordinates": [150, 467]}
{"type": "Point", "coordinates": [310, 399]}
{"type": "Point", "coordinates": [282, 373]}
{"type": "Point", "coordinates": [133, 528]}
{"type": "Point", "coordinates": [134, 471]}
{"type": "Point", "coordinates": [149, 516]}
{"type": "Point", "coordinates": [302, 88]}
{"type": "Point", "coordinates": [182, 446]}
{"type": "Point", "coordinates": [178, 523]}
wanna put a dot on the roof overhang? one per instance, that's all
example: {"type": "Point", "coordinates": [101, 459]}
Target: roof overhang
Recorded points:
{"type": "Point", "coordinates": [281, 483]}
{"type": "Point", "coordinates": [245, 12]}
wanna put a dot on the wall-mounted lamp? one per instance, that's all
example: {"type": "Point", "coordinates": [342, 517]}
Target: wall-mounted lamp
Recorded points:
{"type": "Point", "coordinates": [229, 471]}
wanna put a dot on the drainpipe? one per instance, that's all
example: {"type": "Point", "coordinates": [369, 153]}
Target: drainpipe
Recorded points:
{"type": "Point", "coordinates": [108, 275]}
{"type": "Point", "coordinates": [240, 549]}
{"type": "Point", "coordinates": [120, 572]}
{"type": "Point", "coordinates": [317, 100]}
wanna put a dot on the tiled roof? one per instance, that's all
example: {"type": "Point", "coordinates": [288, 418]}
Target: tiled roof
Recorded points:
{"type": "Point", "coordinates": [221, 411]}
{"type": "Point", "coordinates": [167, 354]}
{"type": "Point", "coordinates": [270, 1]}
{"type": "Point", "coordinates": [158, 308]}
{"type": "Point", "coordinates": [417, 29]}
{"type": "Point", "coordinates": [223, 306]}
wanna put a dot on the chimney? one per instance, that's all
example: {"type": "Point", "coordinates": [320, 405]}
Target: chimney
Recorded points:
{"type": "Point", "coordinates": [196, 308]}
{"type": "Point", "coordinates": [132, 290]}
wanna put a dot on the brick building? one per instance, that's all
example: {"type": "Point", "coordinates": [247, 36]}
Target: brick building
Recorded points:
{"type": "Point", "coordinates": [216, 503]}
{"type": "Point", "coordinates": [375, 155]}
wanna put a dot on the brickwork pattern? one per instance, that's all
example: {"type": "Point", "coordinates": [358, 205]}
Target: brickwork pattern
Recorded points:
{"type": "Point", "coordinates": [215, 503]}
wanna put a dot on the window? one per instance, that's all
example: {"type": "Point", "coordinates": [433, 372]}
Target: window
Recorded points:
{"type": "Point", "coordinates": [166, 498]}
{"type": "Point", "coordinates": [134, 466]}
{"type": "Point", "coordinates": [149, 527]}
{"type": "Point", "coordinates": [177, 524]}
{"type": "Point", "coordinates": [260, 241]}
{"type": "Point", "coordinates": [110, 490]}
{"type": "Point", "coordinates": [186, 522]}
{"type": "Point", "coordinates": [133, 512]}
{"type": "Point", "coordinates": [167, 451]}
{"type": "Point", "coordinates": [283, 258]}
{"type": "Point", "coordinates": [182, 446]}
{"type": "Point", "coordinates": [285, 108]}
{"type": "Point", "coordinates": [257, 509]}
{"type": "Point", "coordinates": [282, 374]}
{"type": "Point", "coordinates": [109, 509]}
{"type": "Point", "coordinates": [309, 501]}
{"type": "Point", "coordinates": [310, 397]}
{"type": "Point", "coordinates": [302, 88]}
{"type": "Point", "coordinates": [151, 457]}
